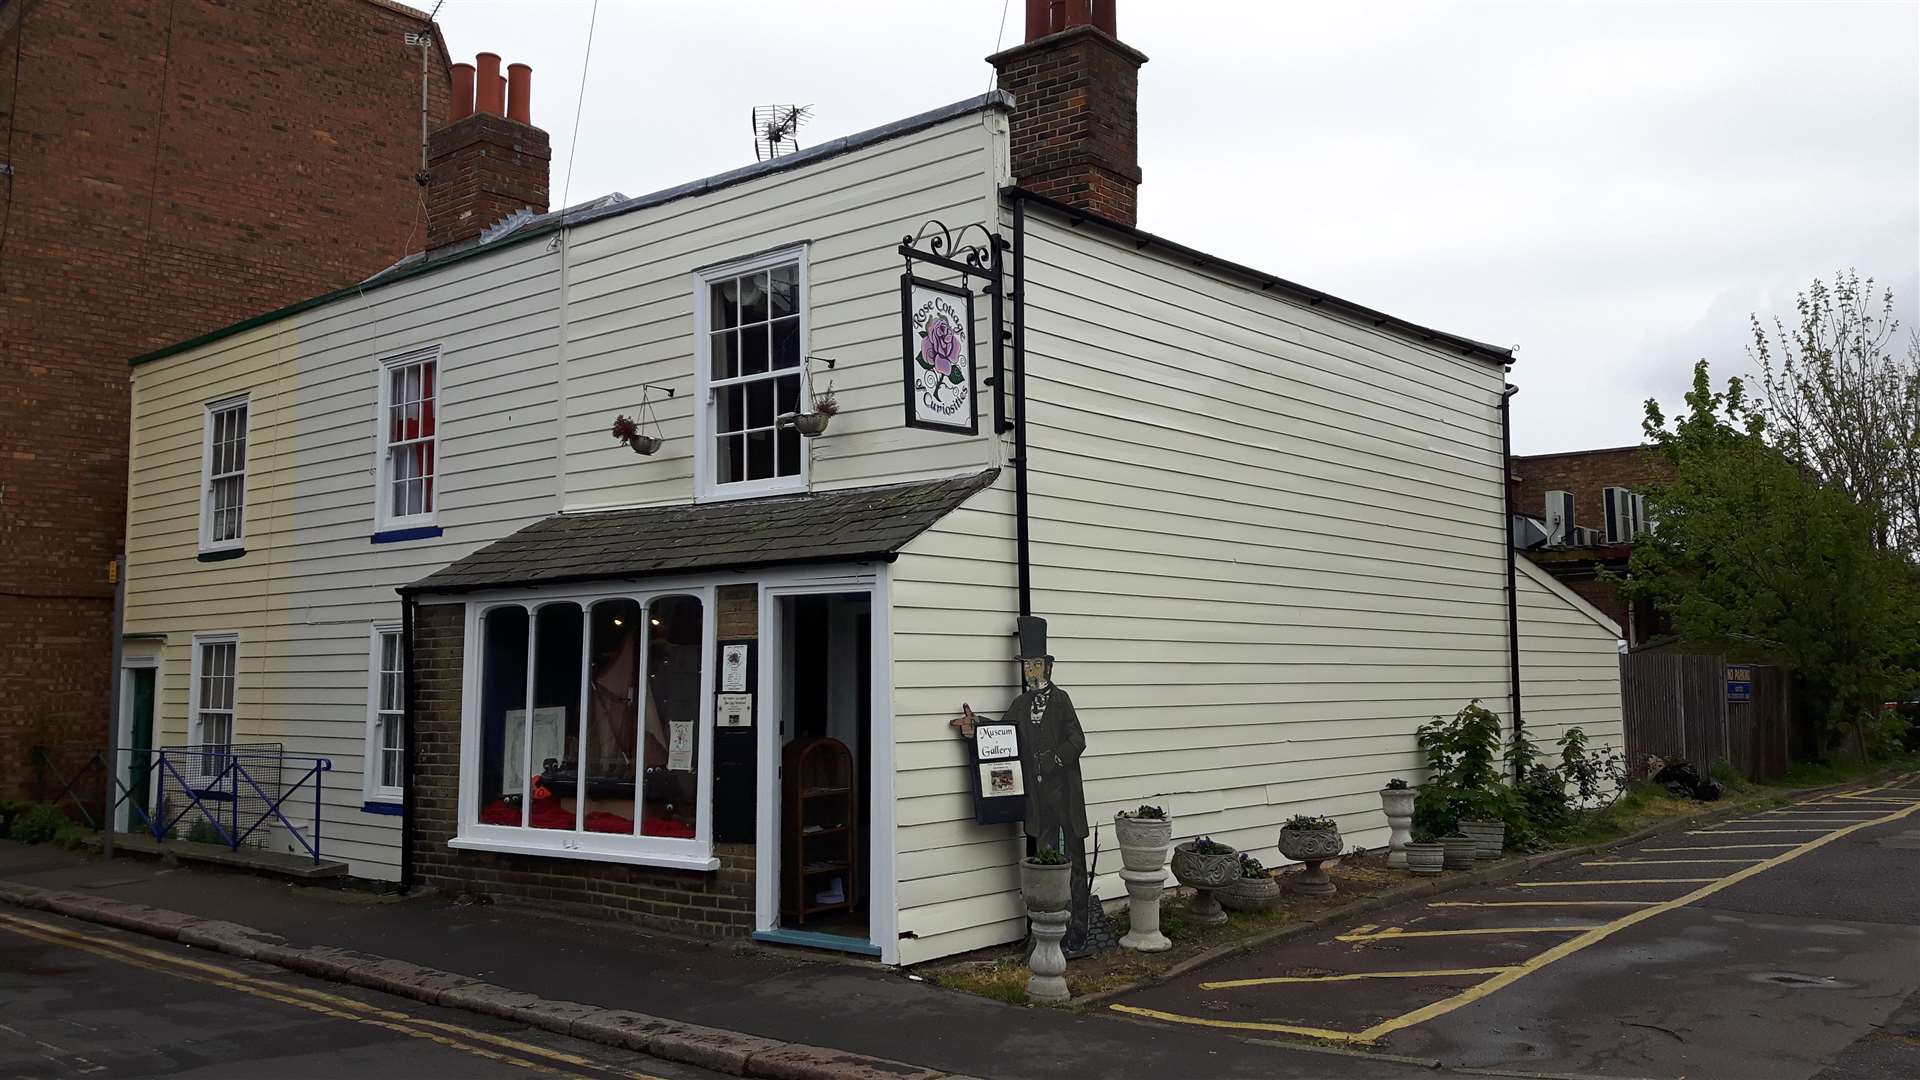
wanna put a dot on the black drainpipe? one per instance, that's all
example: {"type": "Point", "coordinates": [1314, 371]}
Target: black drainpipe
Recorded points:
{"type": "Point", "coordinates": [406, 743]}
{"type": "Point", "coordinates": [1020, 399]}
{"type": "Point", "coordinates": [1506, 540]}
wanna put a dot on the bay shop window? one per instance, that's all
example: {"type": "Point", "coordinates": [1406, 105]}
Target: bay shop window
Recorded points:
{"type": "Point", "coordinates": [586, 729]}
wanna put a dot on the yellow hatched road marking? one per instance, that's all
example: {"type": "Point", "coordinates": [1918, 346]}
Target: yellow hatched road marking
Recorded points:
{"type": "Point", "coordinates": [1240, 1025]}
{"type": "Point", "coordinates": [319, 1000]}
{"type": "Point", "coordinates": [1355, 976]}
{"type": "Point", "coordinates": [1543, 903]}
{"type": "Point", "coordinates": [1720, 847]}
{"type": "Point", "coordinates": [1568, 948]}
{"type": "Point", "coordinates": [1666, 862]}
{"type": "Point", "coordinates": [1396, 934]}
{"type": "Point", "coordinates": [1613, 881]}
{"type": "Point", "coordinates": [1744, 832]}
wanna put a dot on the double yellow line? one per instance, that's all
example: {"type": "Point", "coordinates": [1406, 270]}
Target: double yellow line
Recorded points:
{"type": "Point", "coordinates": [512, 1052]}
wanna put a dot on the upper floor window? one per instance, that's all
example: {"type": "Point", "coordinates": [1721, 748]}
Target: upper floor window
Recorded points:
{"type": "Point", "coordinates": [751, 319]}
{"type": "Point", "coordinates": [223, 480]}
{"type": "Point", "coordinates": [409, 440]}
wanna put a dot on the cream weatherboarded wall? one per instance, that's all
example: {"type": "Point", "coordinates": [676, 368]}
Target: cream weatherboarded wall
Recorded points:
{"type": "Point", "coordinates": [1569, 662]}
{"type": "Point", "coordinates": [516, 391]}
{"type": "Point", "coordinates": [1269, 542]}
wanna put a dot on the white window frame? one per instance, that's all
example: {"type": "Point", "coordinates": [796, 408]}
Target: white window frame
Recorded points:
{"type": "Point", "coordinates": [196, 735]}
{"type": "Point", "coordinates": [384, 518]}
{"type": "Point", "coordinates": [212, 410]}
{"type": "Point", "coordinates": [706, 487]}
{"type": "Point", "coordinates": [670, 851]}
{"type": "Point", "coordinates": [373, 789]}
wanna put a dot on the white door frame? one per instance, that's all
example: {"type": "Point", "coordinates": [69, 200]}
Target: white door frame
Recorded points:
{"type": "Point", "coordinates": [123, 729]}
{"type": "Point", "coordinates": [883, 913]}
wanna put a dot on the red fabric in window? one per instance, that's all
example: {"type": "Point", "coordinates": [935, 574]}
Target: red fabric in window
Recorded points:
{"type": "Point", "coordinates": [549, 814]}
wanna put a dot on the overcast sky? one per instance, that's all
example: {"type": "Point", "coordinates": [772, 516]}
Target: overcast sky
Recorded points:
{"type": "Point", "coordinates": [1609, 187]}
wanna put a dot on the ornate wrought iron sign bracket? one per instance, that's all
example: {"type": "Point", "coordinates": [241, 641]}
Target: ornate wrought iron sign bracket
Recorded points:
{"type": "Point", "coordinates": [936, 319]}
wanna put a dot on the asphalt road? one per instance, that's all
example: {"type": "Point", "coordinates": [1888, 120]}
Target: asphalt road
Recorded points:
{"type": "Point", "coordinates": [78, 999]}
{"type": "Point", "coordinates": [1783, 944]}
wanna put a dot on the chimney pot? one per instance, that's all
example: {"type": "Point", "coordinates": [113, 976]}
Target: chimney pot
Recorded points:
{"type": "Point", "coordinates": [489, 89]}
{"type": "Point", "coordinates": [1046, 17]}
{"type": "Point", "coordinates": [519, 87]}
{"type": "Point", "coordinates": [461, 106]}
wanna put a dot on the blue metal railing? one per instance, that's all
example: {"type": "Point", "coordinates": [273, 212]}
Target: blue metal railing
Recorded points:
{"type": "Point", "coordinates": [236, 789]}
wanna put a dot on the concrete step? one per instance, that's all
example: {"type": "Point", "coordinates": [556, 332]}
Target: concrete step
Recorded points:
{"type": "Point", "coordinates": [254, 860]}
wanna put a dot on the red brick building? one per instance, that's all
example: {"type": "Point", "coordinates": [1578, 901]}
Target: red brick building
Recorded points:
{"type": "Point", "coordinates": [170, 169]}
{"type": "Point", "coordinates": [1599, 531]}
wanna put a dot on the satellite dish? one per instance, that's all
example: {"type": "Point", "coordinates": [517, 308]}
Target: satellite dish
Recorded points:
{"type": "Point", "coordinates": [776, 129]}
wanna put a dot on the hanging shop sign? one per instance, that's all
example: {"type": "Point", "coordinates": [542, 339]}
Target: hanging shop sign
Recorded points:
{"type": "Point", "coordinates": [938, 356]}
{"type": "Point", "coordinates": [936, 339]}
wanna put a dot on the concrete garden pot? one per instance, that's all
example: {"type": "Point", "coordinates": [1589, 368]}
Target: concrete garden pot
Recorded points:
{"type": "Point", "coordinates": [1144, 842]}
{"type": "Point", "coordinates": [1460, 851]}
{"type": "Point", "coordinates": [1251, 894]}
{"type": "Point", "coordinates": [1398, 804]}
{"type": "Point", "coordinates": [1044, 887]}
{"type": "Point", "coordinates": [1205, 874]}
{"type": "Point", "coordinates": [1425, 858]}
{"type": "Point", "coordinates": [1489, 836]}
{"type": "Point", "coordinates": [811, 424]}
{"type": "Point", "coordinates": [1312, 847]}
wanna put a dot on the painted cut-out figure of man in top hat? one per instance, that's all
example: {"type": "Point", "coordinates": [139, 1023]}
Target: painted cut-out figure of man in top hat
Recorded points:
{"type": "Point", "coordinates": [1050, 743]}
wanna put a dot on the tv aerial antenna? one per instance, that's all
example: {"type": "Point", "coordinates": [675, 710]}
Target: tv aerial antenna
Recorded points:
{"type": "Point", "coordinates": [776, 129]}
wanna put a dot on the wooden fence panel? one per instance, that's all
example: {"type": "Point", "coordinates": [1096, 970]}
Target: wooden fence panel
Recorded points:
{"type": "Point", "coordinates": [1675, 706]}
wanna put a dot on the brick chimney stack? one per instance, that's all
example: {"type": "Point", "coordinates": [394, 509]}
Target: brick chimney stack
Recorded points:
{"type": "Point", "coordinates": [489, 161]}
{"type": "Point", "coordinates": [1075, 116]}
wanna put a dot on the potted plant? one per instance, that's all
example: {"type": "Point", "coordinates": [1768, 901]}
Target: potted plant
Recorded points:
{"type": "Point", "coordinates": [628, 431]}
{"type": "Point", "coordinates": [1255, 889]}
{"type": "Point", "coordinates": [1489, 836]}
{"type": "Point", "coordinates": [814, 423]}
{"type": "Point", "coordinates": [1425, 856]}
{"type": "Point", "coordinates": [1046, 880]}
{"type": "Point", "coordinates": [1205, 866]}
{"type": "Point", "coordinates": [1397, 800]}
{"type": "Point", "coordinates": [1461, 850]}
{"type": "Point", "coordinates": [1145, 836]}
{"type": "Point", "coordinates": [1311, 840]}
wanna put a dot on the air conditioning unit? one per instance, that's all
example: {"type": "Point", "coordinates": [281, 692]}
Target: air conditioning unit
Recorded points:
{"type": "Point", "coordinates": [1559, 517]}
{"type": "Point", "coordinates": [1584, 537]}
{"type": "Point", "coordinates": [1626, 515]}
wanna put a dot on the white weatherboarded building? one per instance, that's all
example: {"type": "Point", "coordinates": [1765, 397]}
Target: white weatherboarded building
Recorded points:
{"type": "Point", "coordinates": [1210, 456]}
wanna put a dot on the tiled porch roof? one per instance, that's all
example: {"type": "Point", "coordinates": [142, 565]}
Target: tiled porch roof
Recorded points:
{"type": "Point", "coordinates": [848, 525]}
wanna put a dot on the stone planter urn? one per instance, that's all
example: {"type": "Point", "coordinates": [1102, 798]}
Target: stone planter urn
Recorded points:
{"type": "Point", "coordinates": [1398, 803]}
{"type": "Point", "coordinates": [1251, 894]}
{"type": "Point", "coordinates": [1144, 844]}
{"type": "Point", "coordinates": [1310, 846]}
{"type": "Point", "coordinates": [1426, 858]}
{"type": "Point", "coordinates": [1489, 837]}
{"type": "Point", "coordinates": [1205, 872]}
{"type": "Point", "coordinates": [1047, 889]}
{"type": "Point", "coordinates": [1460, 851]}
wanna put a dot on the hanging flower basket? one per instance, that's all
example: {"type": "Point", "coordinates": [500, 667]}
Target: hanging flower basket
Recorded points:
{"type": "Point", "coordinates": [627, 431]}
{"type": "Point", "coordinates": [811, 424]}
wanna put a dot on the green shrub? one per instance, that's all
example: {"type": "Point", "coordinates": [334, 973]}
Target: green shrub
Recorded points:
{"type": "Point", "coordinates": [40, 823]}
{"type": "Point", "coordinates": [1887, 735]}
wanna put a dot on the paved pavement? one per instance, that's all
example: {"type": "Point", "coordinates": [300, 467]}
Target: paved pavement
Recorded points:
{"type": "Point", "coordinates": [78, 999]}
{"type": "Point", "coordinates": [1785, 943]}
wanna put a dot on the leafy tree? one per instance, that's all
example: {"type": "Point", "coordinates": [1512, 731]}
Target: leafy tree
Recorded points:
{"type": "Point", "coordinates": [1752, 542]}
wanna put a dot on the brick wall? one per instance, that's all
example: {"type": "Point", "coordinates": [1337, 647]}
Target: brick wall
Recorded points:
{"type": "Point", "coordinates": [1075, 124]}
{"type": "Point", "coordinates": [1586, 473]}
{"type": "Point", "coordinates": [711, 904]}
{"type": "Point", "coordinates": [176, 168]}
{"type": "Point", "coordinates": [485, 168]}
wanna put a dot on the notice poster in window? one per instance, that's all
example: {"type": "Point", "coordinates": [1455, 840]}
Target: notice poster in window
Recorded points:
{"type": "Point", "coordinates": [733, 668]}
{"type": "Point", "coordinates": [733, 710]}
{"type": "Point", "coordinates": [549, 735]}
{"type": "Point", "coordinates": [936, 340]}
{"type": "Point", "coordinates": [680, 746]}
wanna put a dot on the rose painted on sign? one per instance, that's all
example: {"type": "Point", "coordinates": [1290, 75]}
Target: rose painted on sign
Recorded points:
{"type": "Point", "coordinates": [937, 334]}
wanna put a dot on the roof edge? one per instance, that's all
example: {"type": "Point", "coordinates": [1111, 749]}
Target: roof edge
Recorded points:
{"type": "Point", "coordinates": [1269, 282]}
{"type": "Point", "coordinates": [548, 223]}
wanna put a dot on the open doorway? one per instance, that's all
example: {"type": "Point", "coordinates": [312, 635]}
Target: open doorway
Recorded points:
{"type": "Point", "coordinates": [824, 745]}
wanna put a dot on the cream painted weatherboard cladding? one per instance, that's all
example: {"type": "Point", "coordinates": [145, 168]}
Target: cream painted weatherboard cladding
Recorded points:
{"type": "Point", "coordinates": [1269, 543]}
{"type": "Point", "coordinates": [524, 412]}
{"type": "Point", "coordinates": [1569, 662]}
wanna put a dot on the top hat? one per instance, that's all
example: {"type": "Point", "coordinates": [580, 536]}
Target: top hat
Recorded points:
{"type": "Point", "coordinates": [1033, 638]}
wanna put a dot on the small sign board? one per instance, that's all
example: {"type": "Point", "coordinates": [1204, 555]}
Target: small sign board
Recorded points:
{"type": "Point", "coordinates": [1739, 682]}
{"type": "Point", "coordinates": [999, 780]}
{"type": "Point", "coordinates": [936, 345]}
{"type": "Point", "coordinates": [733, 710]}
